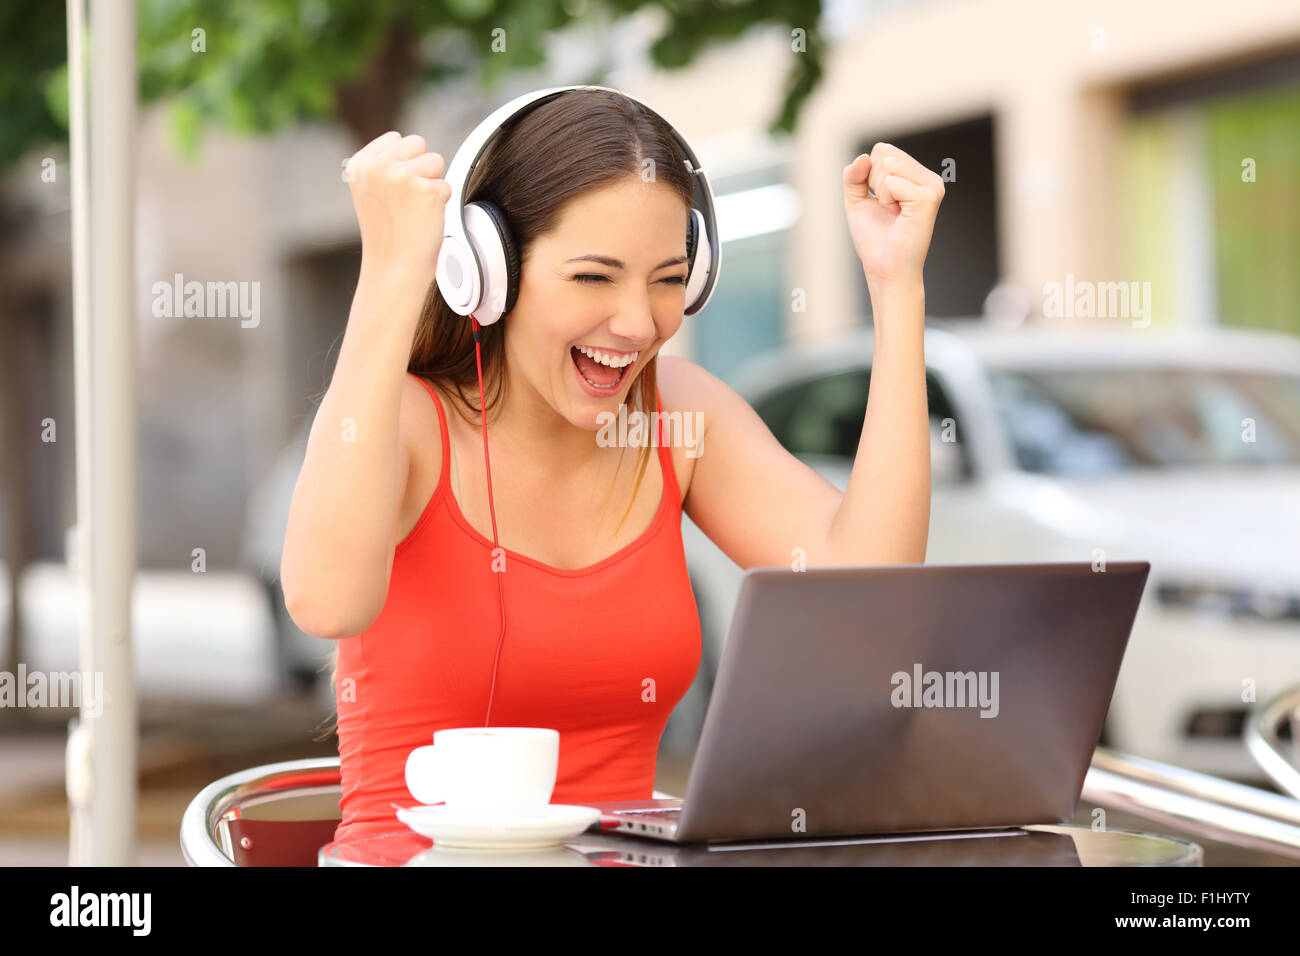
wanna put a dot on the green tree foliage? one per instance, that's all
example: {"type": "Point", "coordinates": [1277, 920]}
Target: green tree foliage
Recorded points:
{"type": "Point", "coordinates": [34, 39]}
{"type": "Point", "coordinates": [253, 66]}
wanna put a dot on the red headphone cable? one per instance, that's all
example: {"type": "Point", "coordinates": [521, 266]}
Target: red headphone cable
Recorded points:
{"type": "Point", "coordinates": [482, 404]}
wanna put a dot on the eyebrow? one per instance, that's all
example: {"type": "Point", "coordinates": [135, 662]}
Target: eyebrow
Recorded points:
{"type": "Point", "coordinates": [618, 264]}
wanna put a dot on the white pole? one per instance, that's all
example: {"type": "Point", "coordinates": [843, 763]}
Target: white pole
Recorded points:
{"type": "Point", "coordinates": [104, 743]}
{"type": "Point", "coordinates": [78, 557]}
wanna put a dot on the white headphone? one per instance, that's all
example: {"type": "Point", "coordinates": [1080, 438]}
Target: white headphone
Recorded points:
{"type": "Point", "coordinates": [478, 263]}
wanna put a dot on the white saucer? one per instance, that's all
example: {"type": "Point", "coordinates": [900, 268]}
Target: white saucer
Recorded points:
{"type": "Point", "coordinates": [549, 828]}
{"type": "Point", "coordinates": [442, 855]}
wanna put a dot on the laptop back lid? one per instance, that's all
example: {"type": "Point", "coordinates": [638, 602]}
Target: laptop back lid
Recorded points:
{"type": "Point", "coordinates": [909, 698]}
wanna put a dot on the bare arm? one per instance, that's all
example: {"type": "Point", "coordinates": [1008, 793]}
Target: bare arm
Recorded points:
{"type": "Point", "coordinates": [760, 504]}
{"type": "Point", "coordinates": [891, 202]}
{"type": "Point", "coordinates": [763, 507]}
{"type": "Point", "coordinates": [340, 538]}
{"type": "Point", "coordinates": [338, 547]}
{"type": "Point", "coordinates": [884, 516]}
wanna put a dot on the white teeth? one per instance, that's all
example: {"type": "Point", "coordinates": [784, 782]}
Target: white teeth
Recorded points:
{"type": "Point", "coordinates": [604, 358]}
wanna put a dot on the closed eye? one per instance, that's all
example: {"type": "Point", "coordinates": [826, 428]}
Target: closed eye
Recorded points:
{"type": "Point", "coordinates": [591, 279]}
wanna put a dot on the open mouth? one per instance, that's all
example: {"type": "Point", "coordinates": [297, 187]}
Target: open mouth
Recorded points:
{"type": "Point", "coordinates": [602, 377]}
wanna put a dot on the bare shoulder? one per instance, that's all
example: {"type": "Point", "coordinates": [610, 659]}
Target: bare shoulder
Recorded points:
{"type": "Point", "coordinates": [729, 431]}
{"type": "Point", "coordinates": [700, 399]}
{"type": "Point", "coordinates": [421, 439]}
{"type": "Point", "coordinates": [686, 386]}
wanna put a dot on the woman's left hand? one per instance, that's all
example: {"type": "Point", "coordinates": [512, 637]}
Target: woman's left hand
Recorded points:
{"type": "Point", "coordinates": [891, 230]}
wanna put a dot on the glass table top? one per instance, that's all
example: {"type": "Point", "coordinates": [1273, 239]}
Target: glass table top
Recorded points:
{"type": "Point", "coordinates": [1038, 845]}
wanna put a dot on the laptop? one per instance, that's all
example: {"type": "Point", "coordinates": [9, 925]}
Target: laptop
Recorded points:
{"type": "Point", "coordinates": [901, 699]}
{"type": "Point", "coordinates": [1034, 846]}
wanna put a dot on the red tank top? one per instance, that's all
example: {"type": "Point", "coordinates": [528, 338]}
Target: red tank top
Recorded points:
{"type": "Point", "coordinates": [602, 654]}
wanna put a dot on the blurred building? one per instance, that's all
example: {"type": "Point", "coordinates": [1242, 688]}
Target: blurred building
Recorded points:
{"type": "Point", "coordinates": [1105, 140]}
{"type": "Point", "coordinates": [1109, 141]}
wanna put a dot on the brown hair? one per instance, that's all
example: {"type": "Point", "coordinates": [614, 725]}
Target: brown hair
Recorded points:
{"type": "Point", "coordinates": [577, 142]}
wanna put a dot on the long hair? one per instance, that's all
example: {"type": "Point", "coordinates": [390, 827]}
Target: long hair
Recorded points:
{"type": "Point", "coordinates": [580, 141]}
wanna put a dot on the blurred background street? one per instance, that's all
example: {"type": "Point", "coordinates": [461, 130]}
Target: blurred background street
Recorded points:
{"type": "Point", "coordinates": [1113, 326]}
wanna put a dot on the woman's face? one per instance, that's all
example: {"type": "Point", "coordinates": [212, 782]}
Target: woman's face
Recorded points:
{"type": "Point", "coordinates": [609, 278]}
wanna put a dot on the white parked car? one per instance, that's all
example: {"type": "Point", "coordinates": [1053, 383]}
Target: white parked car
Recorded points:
{"type": "Point", "coordinates": [196, 637]}
{"type": "Point", "coordinates": [1181, 448]}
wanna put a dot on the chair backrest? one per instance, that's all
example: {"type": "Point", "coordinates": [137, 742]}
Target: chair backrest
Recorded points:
{"type": "Point", "coordinates": [275, 815]}
{"type": "Point", "coordinates": [1272, 734]}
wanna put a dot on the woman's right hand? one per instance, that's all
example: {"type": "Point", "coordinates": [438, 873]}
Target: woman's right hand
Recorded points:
{"type": "Point", "coordinates": [399, 196]}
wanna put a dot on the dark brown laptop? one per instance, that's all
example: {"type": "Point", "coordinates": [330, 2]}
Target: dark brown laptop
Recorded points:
{"type": "Point", "coordinates": [902, 699]}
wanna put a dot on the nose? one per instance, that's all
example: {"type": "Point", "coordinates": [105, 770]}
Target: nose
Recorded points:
{"type": "Point", "coordinates": [634, 322]}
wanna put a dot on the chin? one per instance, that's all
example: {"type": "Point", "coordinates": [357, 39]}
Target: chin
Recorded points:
{"type": "Point", "coordinates": [590, 409]}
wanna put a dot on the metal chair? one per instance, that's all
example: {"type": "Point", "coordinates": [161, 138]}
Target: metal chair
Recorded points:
{"type": "Point", "coordinates": [1263, 733]}
{"type": "Point", "coordinates": [278, 814]}
{"type": "Point", "coordinates": [281, 814]}
{"type": "Point", "coordinates": [1199, 803]}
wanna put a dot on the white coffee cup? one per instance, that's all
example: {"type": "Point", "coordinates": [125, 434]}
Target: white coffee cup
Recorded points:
{"type": "Point", "coordinates": [500, 770]}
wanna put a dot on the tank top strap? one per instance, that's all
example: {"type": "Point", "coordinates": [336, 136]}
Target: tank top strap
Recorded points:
{"type": "Point", "coordinates": [665, 451]}
{"type": "Point", "coordinates": [666, 457]}
{"type": "Point", "coordinates": [442, 428]}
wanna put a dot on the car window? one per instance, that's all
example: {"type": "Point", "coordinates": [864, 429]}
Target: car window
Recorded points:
{"type": "Point", "coordinates": [823, 416]}
{"type": "Point", "coordinates": [1098, 421]}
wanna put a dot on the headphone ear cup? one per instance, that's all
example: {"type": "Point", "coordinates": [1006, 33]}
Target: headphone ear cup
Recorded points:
{"type": "Point", "coordinates": [699, 262]}
{"type": "Point", "coordinates": [501, 273]}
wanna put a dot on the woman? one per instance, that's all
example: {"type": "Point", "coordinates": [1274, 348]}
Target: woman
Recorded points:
{"type": "Point", "coordinates": [389, 545]}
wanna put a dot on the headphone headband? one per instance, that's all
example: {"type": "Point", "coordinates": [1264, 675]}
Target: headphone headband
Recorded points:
{"type": "Point", "coordinates": [461, 274]}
